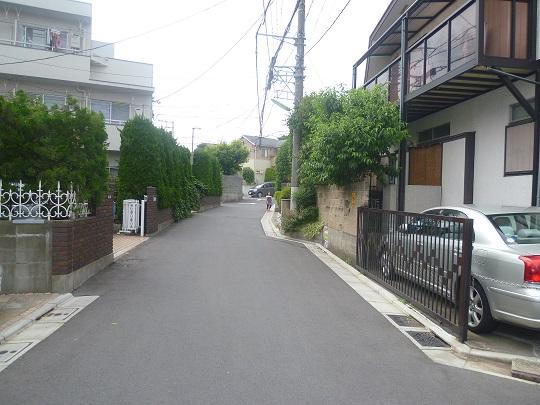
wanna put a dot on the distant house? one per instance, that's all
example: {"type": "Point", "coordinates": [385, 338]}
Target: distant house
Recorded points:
{"type": "Point", "coordinates": [262, 154]}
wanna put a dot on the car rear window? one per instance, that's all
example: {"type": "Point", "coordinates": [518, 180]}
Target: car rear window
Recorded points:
{"type": "Point", "coordinates": [522, 228]}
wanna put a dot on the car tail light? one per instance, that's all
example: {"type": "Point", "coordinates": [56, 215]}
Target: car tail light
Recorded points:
{"type": "Point", "coordinates": [532, 268]}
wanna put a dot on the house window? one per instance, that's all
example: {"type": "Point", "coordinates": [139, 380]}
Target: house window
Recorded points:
{"type": "Point", "coordinates": [51, 100]}
{"type": "Point", "coordinates": [425, 166]}
{"type": "Point", "coordinates": [518, 151]}
{"type": "Point", "coordinates": [518, 113]}
{"type": "Point", "coordinates": [103, 107]}
{"type": "Point", "coordinates": [119, 112]}
{"type": "Point", "coordinates": [435, 133]}
{"type": "Point", "coordinates": [35, 37]}
{"type": "Point", "coordinates": [113, 113]}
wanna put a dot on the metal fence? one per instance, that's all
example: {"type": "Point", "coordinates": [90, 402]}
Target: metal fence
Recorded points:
{"type": "Point", "coordinates": [425, 259]}
{"type": "Point", "coordinates": [18, 202]}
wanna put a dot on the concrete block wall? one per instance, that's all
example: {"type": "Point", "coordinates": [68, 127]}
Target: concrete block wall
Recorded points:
{"type": "Point", "coordinates": [338, 209]}
{"type": "Point", "coordinates": [232, 188]}
{"type": "Point", "coordinates": [25, 257]}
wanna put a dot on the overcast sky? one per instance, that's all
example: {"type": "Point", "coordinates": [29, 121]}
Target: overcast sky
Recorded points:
{"type": "Point", "coordinates": [223, 101]}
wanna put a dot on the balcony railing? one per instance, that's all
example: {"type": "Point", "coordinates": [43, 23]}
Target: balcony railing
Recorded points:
{"type": "Point", "coordinates": [502, 28]}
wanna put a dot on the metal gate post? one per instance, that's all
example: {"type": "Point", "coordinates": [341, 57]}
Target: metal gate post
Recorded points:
{"type": "Point", "coordinates": [143, 203]}
{"type": "Point", "coordinates": [465, 281]}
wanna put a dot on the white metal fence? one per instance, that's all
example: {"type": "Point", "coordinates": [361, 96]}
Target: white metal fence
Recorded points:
{"type": "Point", "coordinates": [18, 203]}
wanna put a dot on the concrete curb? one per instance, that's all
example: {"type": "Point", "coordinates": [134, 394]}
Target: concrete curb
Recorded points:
{"type": "Point", "coordinates": [460, 349]}
{"type": "Point", "coordinates": [18, 326]}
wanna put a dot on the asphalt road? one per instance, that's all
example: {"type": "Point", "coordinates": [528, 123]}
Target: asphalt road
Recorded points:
{"type": "Point", "coordinates": [213, 312]}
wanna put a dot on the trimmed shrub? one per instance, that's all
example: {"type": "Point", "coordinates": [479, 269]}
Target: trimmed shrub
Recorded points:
{"type": "Point", "coordinates": [270, 174]}
{"type": "Point", "coordinates": [207, 170]}
{"type": "Point", "coordinates": [248, 175]}
{"type": "Point", "coordinates": [150, 156]}
{"type": "Point", "coordinates": [279, 195]}
{"type": "Point", "coordinates": [66, 144]}
{"type": "Point", "coordinates": [295, 220]}
{"type": "Point", "coordinates": [312, 230]}
{"type": "Point", "coordinates": [305, 196]}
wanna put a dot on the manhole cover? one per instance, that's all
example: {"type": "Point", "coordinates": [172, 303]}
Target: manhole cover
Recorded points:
{"type": "Point", "coordinates": [404, 320]}
{"type": "Point", "coordinates": [10, 350]}
{"type": "Point", "coordinates": [427, 339]}
{"type": "Point", "coordinates": [59, 315]}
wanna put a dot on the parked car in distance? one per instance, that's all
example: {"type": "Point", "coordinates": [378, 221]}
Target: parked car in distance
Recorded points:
{"type": "Point", "coordinates": [261, 190]}
{"type": "Point", "coordinates": [505, 265]}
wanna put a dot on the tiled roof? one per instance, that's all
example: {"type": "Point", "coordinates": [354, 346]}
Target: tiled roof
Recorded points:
{"type": "Point", "coordinates": [264, 142]}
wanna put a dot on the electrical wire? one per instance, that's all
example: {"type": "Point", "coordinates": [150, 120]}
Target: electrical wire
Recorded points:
{"type": "Point", "coordinates": [330, 27]}
{"type": "Point", "coordinates": [272, 65]}
{"type": "Point", "coordinates": [196, 78]}
{"type": "Point", "coordinates": [121, 40]}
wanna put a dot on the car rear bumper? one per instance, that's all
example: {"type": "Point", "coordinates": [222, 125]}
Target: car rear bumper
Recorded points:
{"type": "Point", "coordinates": [519, 306]}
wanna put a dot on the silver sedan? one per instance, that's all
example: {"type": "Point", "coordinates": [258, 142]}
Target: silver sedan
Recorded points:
{"type": "Point", "coordinates": [505, 265]}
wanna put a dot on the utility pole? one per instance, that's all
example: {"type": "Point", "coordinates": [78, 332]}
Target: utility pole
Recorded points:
{"type": "Point", "coordinates": [298, 94]}
{"type": "Point", "coordinates": [192, 142]}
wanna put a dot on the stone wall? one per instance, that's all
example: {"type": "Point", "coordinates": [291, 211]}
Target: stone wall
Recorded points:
{"type": "Point", "coordinates": [156, 219]}
{"type": "Point", "coordinates": [81, 248]}
{"type": "Point", "coordinates": [25, 257]}
{"type": "Point", "coordinates": [232, 188]}
{"type": "Point", "coordinates": [338, 209]}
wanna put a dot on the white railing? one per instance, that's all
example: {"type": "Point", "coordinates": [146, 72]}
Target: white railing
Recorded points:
{"type": "Point", "coordinates": [18, 203]}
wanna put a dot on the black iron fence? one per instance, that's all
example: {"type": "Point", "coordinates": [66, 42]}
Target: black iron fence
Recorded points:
{"type": "Point", "coordinates": [425, 259]}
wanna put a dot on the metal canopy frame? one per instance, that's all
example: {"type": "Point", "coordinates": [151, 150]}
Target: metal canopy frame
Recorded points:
{"type": "Point", "coordinates": [481, 74]}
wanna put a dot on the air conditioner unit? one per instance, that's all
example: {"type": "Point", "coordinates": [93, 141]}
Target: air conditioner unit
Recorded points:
{"type": "Point", "coordinates": [75, 42]}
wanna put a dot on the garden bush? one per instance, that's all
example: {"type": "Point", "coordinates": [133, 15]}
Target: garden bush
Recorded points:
{"type": "Point", "coordinates": [248, 175]}
{"type": "Point", "coordinates": [207, 170]}
{"type": "Point", "coordinates": [270, 174]}
{"type": "Point", "coordinates": [67, 144]}
{"type": "Point", "coordinates": [150, 156]}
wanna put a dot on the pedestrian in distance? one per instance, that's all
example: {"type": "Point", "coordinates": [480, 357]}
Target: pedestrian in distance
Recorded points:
{"type": "Point", "coordinates": [269, 202]}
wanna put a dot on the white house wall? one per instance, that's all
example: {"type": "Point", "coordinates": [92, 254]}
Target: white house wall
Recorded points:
{"type": "Point", "coordinates": [453, 172]}
{"type": "Point", "coordinates": [487, 116]}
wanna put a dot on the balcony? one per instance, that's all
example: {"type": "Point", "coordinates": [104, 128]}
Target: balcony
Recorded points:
{"type": "Point", "coordinates": [454, 61]}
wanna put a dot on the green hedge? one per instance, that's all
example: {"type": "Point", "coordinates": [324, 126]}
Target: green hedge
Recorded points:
{"type": "Point", "coordinates": [207, 170]}
{"type": "Point", "coordinates": [270, 174]}
{"type": "Point", "coordinates": [248, 175]}
{"type": "Point", "coordinates": [58, 144]}
{"type": "Point", "coordinates": [150, 156]}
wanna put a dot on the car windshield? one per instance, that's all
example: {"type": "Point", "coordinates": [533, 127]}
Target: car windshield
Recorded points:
{"type": "Point", "coordinates": [522, 228]}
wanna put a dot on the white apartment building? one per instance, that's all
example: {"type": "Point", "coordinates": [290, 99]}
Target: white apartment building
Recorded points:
{"type": "Point", "coordinates": [86, 70]}
{"type": "Point", "coordinates": [466, 76]}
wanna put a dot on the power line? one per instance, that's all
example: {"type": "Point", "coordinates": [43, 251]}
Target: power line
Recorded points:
{"type": "Point", "coordinates": [213, 64]}
{"type": "Point", "coordinates": [273, 63]}
{"type": "Point", "coordinates": [329, 28]}
{"type": "Point", "coordinates": [121, 40]}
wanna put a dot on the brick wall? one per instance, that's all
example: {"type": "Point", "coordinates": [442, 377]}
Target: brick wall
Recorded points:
{"type": "Point", "coordinates": [76, 243]}
{"type": "Point", "coordinates": [156, 219]}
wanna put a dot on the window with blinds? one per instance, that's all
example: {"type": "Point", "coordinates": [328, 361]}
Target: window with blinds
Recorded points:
{"type": "Point", "coordinates": [518, 151]}
{"type": "Point", "coordinates": [425, 166]}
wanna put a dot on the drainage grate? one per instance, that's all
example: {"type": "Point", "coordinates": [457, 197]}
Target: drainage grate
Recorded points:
{"type": "Point", "coordinates": [10, 350]}
{"type": "Point", "coordinates": [427, 339]}
{"type": "Point", "coordinates": [404, 320]}
{"type": "Point", "coordinates": [59, 315]}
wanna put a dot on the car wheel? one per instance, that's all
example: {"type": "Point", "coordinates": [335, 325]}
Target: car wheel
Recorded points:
{"type": "Point", "coordinates": [387, 267]}
{"type": "Point", "coordinates": [259, 194]}
{"type": "Point", "coordinates": [480, 319]}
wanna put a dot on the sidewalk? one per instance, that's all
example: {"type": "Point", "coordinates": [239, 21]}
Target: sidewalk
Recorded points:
{"type": "Point", "coordinates": [14, 307]}
{"type": "Point", "coordinates": [123, 243]}
{"type": "Point", "coordinates": [500, 353]}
